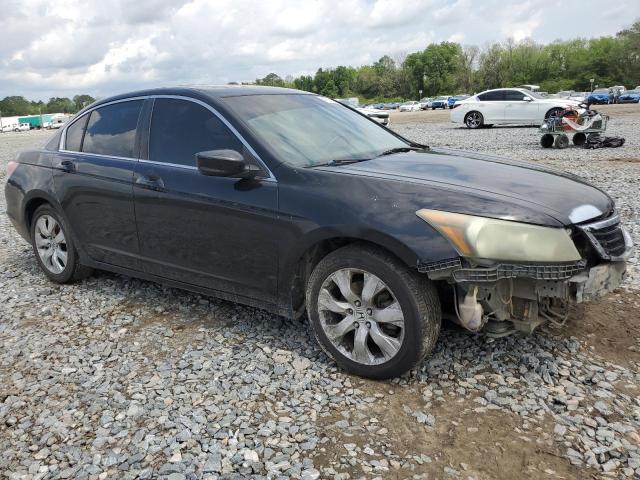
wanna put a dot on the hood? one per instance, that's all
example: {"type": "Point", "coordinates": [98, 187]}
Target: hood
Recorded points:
{"type": "Point", "coordinates": [500, 188]}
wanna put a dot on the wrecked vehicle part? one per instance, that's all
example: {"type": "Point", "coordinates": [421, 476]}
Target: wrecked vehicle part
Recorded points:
{"type": "Point", "coordinates": [502, 298]}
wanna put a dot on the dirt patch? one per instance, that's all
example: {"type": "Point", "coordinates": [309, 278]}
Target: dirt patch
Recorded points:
{"type": "Point", "coordinates": [466, 440]}
{"type": "Point", "coordinates": [611, 325]}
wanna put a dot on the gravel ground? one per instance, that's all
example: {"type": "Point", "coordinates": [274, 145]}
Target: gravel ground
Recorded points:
{"type": "Point", "coordinates": [119, 378]}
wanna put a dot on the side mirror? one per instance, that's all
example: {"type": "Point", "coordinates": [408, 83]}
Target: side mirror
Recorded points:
{"type": "Point", "coordinates": [528, 99]}
{"type": "Point", "coordinates": [225, 163]}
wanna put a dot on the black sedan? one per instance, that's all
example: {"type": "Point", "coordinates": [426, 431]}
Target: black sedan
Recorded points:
{"type": "Point", "coordinates": [295, 203]}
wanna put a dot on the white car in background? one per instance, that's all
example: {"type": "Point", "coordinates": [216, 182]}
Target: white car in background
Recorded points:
{"type": "Point", "coordinates": [380, 116]}
{"type": "Point", "coordinates": [507, 106]}
{"type": "Point", "coordinates": [411, 106]}
{"type": "Point", "coordinates": [16, 127]}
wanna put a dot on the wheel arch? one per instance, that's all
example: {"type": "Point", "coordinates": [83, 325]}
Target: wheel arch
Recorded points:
{"type": "Point", "coordinates": [296, 272]}
{"type": "Point", "coordinates": [34, 200]}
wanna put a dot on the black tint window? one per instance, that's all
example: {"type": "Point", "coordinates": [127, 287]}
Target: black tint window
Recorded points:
{"type": "Point", "coordinates": [112, 129]}
{"type": "Point", "coordinates": [515, 96]}
{"type": "Point", "coordinates": [180, 129]}
{"type": "Point", "coordinates": [73, 141]}
{"type": "Point", "coordinates": [492, 96]}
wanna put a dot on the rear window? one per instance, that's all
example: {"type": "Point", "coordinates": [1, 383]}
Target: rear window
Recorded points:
{"type": "Point", "coordinates": [112, 130]}
{"type": "Point", "coordinates": [73, 141]}
{"type": "Point", "coordinates": [495, 96]}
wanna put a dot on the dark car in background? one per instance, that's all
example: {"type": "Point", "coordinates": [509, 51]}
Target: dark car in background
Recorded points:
{"type": "Point", "coordinates": [630, 96]}
{"type": "Point", "coordinates": [294, 203]}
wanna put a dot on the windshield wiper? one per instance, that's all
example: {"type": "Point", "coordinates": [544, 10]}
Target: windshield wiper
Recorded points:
{"type": "Point", "coordinates": [391, 151]}
{"type": "Point", "coordinates": [338, 162]}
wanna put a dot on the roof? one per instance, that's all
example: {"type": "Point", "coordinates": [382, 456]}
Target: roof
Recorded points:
{"type": "Point", "coordinates": [199, 91]}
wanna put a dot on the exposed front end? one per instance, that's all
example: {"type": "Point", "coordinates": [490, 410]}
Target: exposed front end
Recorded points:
{"type": "Point", "coordinates": [503, 297]}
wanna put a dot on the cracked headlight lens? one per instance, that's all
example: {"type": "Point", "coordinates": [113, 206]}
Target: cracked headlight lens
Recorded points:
{"type": "Point", "coordinates": [488, 238]}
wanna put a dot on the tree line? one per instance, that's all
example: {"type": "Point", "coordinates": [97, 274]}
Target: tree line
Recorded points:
{"type": "Point", "coordinates": [451, 68]}
{"type": "Point", "coordinates": [18, 105]}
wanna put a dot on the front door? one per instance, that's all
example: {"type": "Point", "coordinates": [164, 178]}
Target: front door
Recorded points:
{"type": "Point", "coordinates": [93, 177]}
{"type": "Point", "coordinates": [215, 232]}
{"type": "Point", "coordinates": [520, 107]}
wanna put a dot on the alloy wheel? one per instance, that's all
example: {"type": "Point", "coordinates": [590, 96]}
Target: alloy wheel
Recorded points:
{"type": "Point", "coordinates": [51, 244]}
{"type": "Point", "coordinates": [361, 316]}
{"type": "Point", "coordinates": [474, 120]}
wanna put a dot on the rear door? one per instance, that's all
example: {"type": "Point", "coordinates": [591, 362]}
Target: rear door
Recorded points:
{"type": "Point", "coordinates": [93, 178]}
{"type": "Point", "coordinates": [492, 106]}
{"type": "Point", "coordinates": [214, 232]}
{"type": "Point", "coordinates": [519, 110]}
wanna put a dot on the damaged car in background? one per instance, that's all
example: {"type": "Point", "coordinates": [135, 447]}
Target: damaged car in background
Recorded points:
{"type": "Point", "coordinates": [295, 203]}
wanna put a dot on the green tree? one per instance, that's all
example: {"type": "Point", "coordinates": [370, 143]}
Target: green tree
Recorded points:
{"type": "Point", "coordinates": [59, 105]}
{"type": "Point", "coordinates": [271, 80]}
{"type": "Point", "coordinates": [15, 105]}
{"type": "Point", "coordinates": [81, 101]}
{"type": "Point", "coordinates": [329, 89]}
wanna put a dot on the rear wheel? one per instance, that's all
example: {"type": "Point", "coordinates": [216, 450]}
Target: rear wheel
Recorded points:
{"type": "Point", "coordinates": [54, 247]}
{"type": "Point", "coordinates": [473, 120]}
{"type": "Point", "coordinates": [374, 316]}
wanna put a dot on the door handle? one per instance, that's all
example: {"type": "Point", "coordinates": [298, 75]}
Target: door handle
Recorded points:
{"type": "Point", "coordinates": [68, 166]}
{"type": "Point", "coordinates": [150, 182]}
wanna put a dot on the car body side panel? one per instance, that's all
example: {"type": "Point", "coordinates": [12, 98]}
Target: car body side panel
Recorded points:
{"type": "Point", "coordinates": [32, 180]}
{"type": "Point", "coordinates": [215, 232]}
{"type": "Point", "coordinates": [97, 198]}
{"type": "Point", "coordinates": [315, 205]}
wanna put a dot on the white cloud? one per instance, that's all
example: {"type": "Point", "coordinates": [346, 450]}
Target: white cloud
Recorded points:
{"type": "Point", "coordinates": [101, 47]}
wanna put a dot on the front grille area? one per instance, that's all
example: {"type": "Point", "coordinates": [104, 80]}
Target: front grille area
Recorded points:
{"type": "Point", "coordinates": [607, 237]}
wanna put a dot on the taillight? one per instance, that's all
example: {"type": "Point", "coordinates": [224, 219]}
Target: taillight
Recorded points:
{"type": "Point", "coordinates": [11, 167]}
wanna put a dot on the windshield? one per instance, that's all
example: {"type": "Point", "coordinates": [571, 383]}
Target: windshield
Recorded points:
{"type": "Point", "coordinates": [306, 130]}
{"type": "Point", "coordinates": [601, 90]}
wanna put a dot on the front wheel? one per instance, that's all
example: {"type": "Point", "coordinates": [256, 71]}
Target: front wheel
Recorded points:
{"type": "Point", "coordinates": [473, 120]}
{"type": "Point", "coordinates": [53, 246]}
{"type": "Point", "coordinates": [372, 314]}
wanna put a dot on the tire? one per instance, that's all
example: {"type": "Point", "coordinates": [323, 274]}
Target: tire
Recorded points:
{"type": "Point", "coordinates": [433, 108]}
{"type": "Point", "coordinates": [59, 263]}
{"type": "Point", "coordinates": [579, 139]}
{"type": "Point", "coordinates": [546, 140]}
{"type": "Point", "coordinates": [562, 141]}
{"type": "Point", "coordinates": [552, 113]}
{"type": "Point", "coordinates": [408, 333]}
{"type": "Point", "coordinates": [474, 119]}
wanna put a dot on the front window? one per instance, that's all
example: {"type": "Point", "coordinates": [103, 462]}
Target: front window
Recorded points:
{"type": "Point", "coordinates": [306, 130]}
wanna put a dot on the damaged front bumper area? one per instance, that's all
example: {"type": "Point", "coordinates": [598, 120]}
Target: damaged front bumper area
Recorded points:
{"type": "Point", "coordinates": [504, 298]}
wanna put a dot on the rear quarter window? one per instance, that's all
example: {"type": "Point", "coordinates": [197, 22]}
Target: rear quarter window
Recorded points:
{"type": "Point", "coordinates": [75, 131]}
{"type": "Point", "coordinates": [494, 96]}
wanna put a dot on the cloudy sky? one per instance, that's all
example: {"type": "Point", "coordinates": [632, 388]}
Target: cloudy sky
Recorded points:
{"type": "Point", "coordinates": [102, 47]}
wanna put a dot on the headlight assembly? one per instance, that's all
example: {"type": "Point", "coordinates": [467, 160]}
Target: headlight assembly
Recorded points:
{"type": "Point", "coordinates": [488, 238]}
